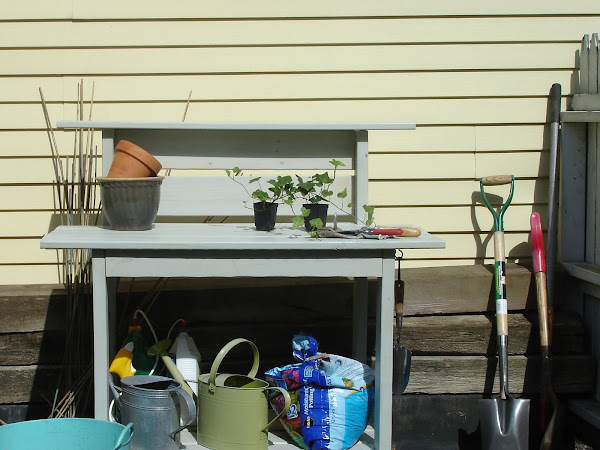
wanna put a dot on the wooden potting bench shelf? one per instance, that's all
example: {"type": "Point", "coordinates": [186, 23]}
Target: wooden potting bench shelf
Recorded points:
{"type": "Point", "coordinates": [237, 250]}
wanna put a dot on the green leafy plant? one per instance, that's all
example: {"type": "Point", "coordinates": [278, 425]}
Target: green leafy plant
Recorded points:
{"type": "Point", "coordinates": [312, 190]}
{"type": "Point", "coordinates": [281, 188]}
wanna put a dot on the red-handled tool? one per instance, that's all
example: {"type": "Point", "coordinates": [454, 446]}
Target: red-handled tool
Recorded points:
{"type": "Point", "coordinates": [403, 231]}
{"type": "Point", "coordinates": [550, 427]}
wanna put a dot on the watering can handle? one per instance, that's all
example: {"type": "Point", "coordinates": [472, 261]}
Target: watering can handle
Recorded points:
{"type": "Point", "coordinates": [221, 355]}
{"type": "Point", "coordinates": [183, 394]}
{"type": "Point", "coordinates": [288, 403]}
{"type": "Point", "coordinates": [125, 432]}
{"type": "Point", "coordinates": [113, 389]}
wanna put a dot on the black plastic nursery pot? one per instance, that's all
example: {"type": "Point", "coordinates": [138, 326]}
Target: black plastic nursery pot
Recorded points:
{"type": "Point", "coordinates": [317, 210]}
{"type": "Point", "coordinates": [265, 215]}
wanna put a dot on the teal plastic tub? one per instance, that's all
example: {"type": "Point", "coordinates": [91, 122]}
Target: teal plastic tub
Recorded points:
{"type": "Point", "coordinates": [65, 434]}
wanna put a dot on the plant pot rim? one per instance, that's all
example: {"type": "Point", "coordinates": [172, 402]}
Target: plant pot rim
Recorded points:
{"type": "Point", "coordinates": [132, 179]}
{"type": "Point", "coordinates": [137, 152]}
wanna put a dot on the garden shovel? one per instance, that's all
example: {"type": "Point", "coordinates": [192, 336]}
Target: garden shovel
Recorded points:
{"type": "Point", "coordinates": [504, 420]}
{"type": "Point", "coordinates": [402, 355]}
{"type": "Point", "coordinates": [552, 428]}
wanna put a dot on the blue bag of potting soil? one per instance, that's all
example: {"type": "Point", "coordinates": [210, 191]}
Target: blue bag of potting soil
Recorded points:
{"type": "Point", "coordinates": [336, 396]}
{"type": "Point", "coordinates": [336, 401]}
{"type": "Point", "coordinates": [334, 418]}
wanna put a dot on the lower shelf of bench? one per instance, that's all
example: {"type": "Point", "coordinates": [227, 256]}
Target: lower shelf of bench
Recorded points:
{"type": "Point", "coordinates": [278, 440]}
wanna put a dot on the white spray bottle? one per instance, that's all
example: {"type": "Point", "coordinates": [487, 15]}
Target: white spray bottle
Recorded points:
{"type": "Point", "coordinates": [187, 357]}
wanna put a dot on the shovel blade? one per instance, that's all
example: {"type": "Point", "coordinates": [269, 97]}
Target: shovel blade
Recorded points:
{"type": "Point", "coordinates": [504, 423]}
{"type": "Point", "coordinates": [402, 357]}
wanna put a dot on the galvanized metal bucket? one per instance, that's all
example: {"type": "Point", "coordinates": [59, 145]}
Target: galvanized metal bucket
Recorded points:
{"type": "Point", "coordinates": [154, 404]}
{"type": "Point", "coordinates": [233, 409]}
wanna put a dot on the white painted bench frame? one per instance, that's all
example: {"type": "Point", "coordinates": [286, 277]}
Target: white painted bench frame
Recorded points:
{"type": "Point", "coordinates": [237, 250]}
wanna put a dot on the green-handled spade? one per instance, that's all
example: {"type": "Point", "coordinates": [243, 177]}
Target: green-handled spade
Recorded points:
{"type": "Point", "coordinates": [504, 420]}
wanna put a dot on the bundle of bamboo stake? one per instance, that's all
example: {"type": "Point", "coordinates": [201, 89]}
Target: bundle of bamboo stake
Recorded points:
{"type": "Point", "coordinates": [75, 203]}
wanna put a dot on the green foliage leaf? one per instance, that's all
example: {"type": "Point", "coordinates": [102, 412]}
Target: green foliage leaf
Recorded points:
{"type": "Point", "coordinates": [306, 187]}
{"type": "Point", "coordinates": [254, 180]}
{"type": "Point", "coordinates": [350, 205]}
{"type": "Point", "coordinates": [297, 221]}
{"type": "Point", "coordinates": [337, 163]}
{"type": "Point", "coordinates": [236, 170]}
{"type": "Point", "coordinates": [228, 172]}
{"type": "Point", "coordinates": [316, 223]}
{"type": "Point", "coordinates": [326, 193]}
{"type": "Point", "coordinates": [261, 195]}
{"type": "Point", "coordinates": [289, 201]}
{"type": "Point", "coordinates": [322, 178]}
{"type": "Point", "coordinates": [343, 194]}
{"type": "Point", "coordinates": [369, 209]}
{"type": "Point", "coordinates": [305, 212]}
{"type": "Point", "coordinates": [369, 222]}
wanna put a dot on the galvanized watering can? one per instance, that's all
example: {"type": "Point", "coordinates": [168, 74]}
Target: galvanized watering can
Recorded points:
{"type": "Point", "coordinates": [155, 405]}
{"type": "Point", "coordinates": [233, 409]}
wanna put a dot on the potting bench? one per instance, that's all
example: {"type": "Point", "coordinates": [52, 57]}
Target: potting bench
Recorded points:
{"type": "Point", "coordinates": [179, 249]}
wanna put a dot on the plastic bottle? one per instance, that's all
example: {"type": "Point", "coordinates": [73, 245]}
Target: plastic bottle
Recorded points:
{"type": "Point", "coordinates": [187, 358]}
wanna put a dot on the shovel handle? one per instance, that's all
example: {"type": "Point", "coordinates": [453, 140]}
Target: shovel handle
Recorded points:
{"type": "Point", "coordinates": [539, 267]}
{"type": "Point", "coordinates": [495, 180]}
{"type": "Point", "coordinates": [555, 103]}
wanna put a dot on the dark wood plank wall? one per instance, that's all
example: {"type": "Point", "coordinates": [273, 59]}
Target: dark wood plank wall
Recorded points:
{"type": "Point", "coordinates": [449, 327]}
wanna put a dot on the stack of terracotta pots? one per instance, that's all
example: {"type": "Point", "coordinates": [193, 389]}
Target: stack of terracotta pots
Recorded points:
{"type": "Point", "coordinates": [131, 190]}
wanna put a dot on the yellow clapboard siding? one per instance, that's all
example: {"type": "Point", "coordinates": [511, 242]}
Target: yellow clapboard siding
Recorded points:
{"type": "Point", "coordinates": [423, 112]}
{"type": "Point", "coordinates": [288, 59]}
{"type": "Point", "coordinates": [421, 166]}
{"type": "Point", "coordinates": [423, 139]}
{"type": "Point", "coordinates": [426, 111]}
{"type": "Point", "coordinates": [36, 143]}
{"type": "Point", "coordinates": [27, 251]}
{"type": "Point", "coordinates": [444, 219]}
{"type": "Point", "coordinates": [289, 86]}
{"type": "Point", "coordinates": [444, 193]}
{"type": "Point", "coordinates": [294, 32]}
{"type": "Point", "coordinates": [314, 8]}
{"type": "Point", "coordinates": [19, 198]}
{"type": "Point", "coordinates": [521, 137]}
{"type": "Point", "coordinates": [31, 170]}
{"type": "Point", "coordinates": [460, 139]}
{"type": "Point", "coordinates": [523, 164]}
{"type": "Point", "coordinates": [30, 274]}
{"type": "Point", "coordinates": [33, 223]}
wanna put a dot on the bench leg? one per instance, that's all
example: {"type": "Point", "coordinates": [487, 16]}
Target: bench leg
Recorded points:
{"type": "Point", "coordinates": [101, 337]}
{"type": "Point", "coordinates": [384, 355]}
{"type": "Point", "coordinates": [360, 319]}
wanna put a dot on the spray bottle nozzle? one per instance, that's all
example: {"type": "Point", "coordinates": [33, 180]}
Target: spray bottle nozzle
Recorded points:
{"type": "Point", "coordinates": [184, 325]}
{"type": "Point", "coordinates": [134, 322]}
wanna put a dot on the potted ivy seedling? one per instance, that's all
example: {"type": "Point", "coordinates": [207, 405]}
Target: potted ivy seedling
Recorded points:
{"type": "Point", "coordinates": [316, 193]}
{"type": "Point", "coordinates": [265, 202]}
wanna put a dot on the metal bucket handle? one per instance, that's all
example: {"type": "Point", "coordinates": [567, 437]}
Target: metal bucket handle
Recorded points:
{"type": "Point", "coordinates": [221, 355]}
{"type": "Point", "coordinates": [288, 403]}
{"type": "Point", "coordinates": [191, 410]}
{"type": "Point", "coordinates": [127, 430]}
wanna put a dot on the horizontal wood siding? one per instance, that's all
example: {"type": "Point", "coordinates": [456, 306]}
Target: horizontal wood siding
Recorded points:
{"type": "Point", "coordinates": [474, 77]}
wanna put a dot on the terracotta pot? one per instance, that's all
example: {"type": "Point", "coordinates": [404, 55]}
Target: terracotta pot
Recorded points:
{"type": "Point", "coordinates": [131, 161]}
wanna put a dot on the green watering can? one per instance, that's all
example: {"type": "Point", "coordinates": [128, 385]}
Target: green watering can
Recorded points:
{"type": "Point", "coordinates": [233, 409]}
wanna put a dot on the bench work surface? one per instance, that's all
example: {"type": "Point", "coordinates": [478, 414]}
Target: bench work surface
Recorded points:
{"type": "Point", "coordinates": [206, 236]}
